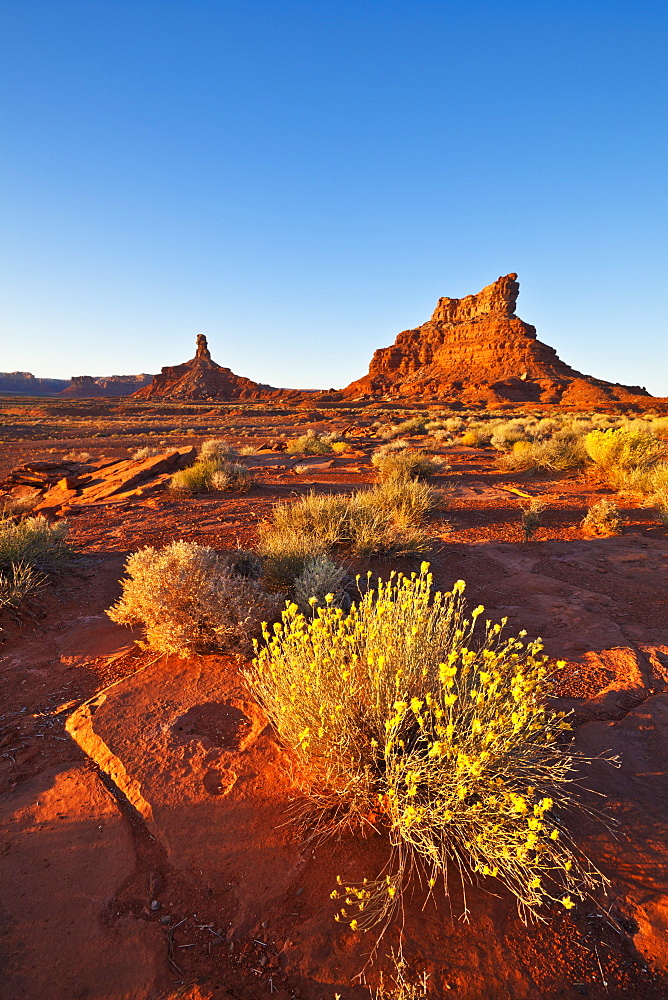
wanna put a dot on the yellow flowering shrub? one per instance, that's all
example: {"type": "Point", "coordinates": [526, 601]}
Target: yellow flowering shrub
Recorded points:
{"type": "Point", "coordinates": [409, 714]}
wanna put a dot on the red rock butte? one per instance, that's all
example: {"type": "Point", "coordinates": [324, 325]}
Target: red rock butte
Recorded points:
{"type": "Point", "coordinates": [476, 350]}
{"type": "Point", "coordinates": [202, 378]}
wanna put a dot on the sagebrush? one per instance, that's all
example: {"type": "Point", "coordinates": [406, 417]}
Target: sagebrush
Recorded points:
{"type": "Point", "coordinates": [187, 600]}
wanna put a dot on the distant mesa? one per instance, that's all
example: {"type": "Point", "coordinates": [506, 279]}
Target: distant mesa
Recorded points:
{"type": "Point", "coordinates": [475, 350]}
{"type": "Point", "coordinates": [86, 386]}
{"type": "Point", "coordinates": [79, 387]}
{"type": "Point", "coordinates": [202, 378]}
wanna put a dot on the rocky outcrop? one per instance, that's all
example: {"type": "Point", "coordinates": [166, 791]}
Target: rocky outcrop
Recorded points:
{"type": "Point", "coordinates": [50, 486]}
{"type": "Point", "coordinates": [202, 378]}
{"type": "Point", "coordinates": [476, 350]}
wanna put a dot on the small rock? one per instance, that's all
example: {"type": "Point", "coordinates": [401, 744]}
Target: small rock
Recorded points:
{"type": "Point", "coordinates": [155, 904]}
{"type": "Point", "coordinates": [166, 919]}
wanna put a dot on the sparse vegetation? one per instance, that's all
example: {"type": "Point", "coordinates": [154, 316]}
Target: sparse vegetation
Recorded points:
{"type": "Point", "coordinates": [407, 464]}
{"type": "Point", "coordinates": [604, 518]}
{"type": "Point", "coordinates": [532, 517]}
{"type": "Point", "coordinates": [320, 578]}
{"type": "Point", "coordinates": [405, 715]}
{"type": "Point", "coordinates": [18, 583]}
{"type": "Point", "coordinates": [188, 600]}
{"type": "Point", "coordinates": [216, 450]}
{"type": "Point", "coordinates": [415, 425]}
{"type": "Point", "coordinates": [385, 520]}
{"type": "Point", "coordinates": [555, 454]}
{"type": "Point", "coordinates": [212, 474]}
{"type": "Point", "coordinates": [312, 443]}
{"type": "Point", "coordinates": [33, 542]}
{"type": "Point", "coordinates": [231, 476]}
{"type": "Point", "coordinates": [141, 454]}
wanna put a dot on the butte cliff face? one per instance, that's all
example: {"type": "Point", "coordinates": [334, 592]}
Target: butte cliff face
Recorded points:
{"type": "Point", "coordinates": [202, 378]}
{"type": "Point", "coordinates": [476, 350]}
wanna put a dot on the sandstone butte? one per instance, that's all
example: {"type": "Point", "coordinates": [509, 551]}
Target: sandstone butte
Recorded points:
{"type": "Point", "coordinates": [202, 378]}
{"type": "Point", "coordinates": [475, 350]}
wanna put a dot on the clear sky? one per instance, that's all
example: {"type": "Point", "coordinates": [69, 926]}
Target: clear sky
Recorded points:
{"type": "Point", "coordinates": [302, 180]}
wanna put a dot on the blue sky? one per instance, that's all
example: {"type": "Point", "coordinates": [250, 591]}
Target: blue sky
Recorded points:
{"type": "Point", "coordinates": [302, 180]}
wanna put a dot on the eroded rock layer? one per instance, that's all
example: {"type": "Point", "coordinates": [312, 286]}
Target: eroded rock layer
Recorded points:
{"type": "Point", "coordinates": [477, 350]}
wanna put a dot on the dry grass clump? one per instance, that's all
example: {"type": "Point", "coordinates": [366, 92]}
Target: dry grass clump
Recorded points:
{"type": "Point", "coordinates": [33, 542]}
{"type": "Point", "coordinates": [555, 454]}
{"type": "Point", "coordinates": [188, 600]}
{"type": "Point", "coordinates": [28, 549]}
{"type": "Point", "coordinates": [604, 518]}
{"type": "Point", "coordinates": [141, 454]}
{"type": "Point", "coordinates": [416, 425]}
{"type": "Point", "coordinates": [216, 449]}
{"type": "Point", "coordinates": [407, 716]}
{"type": "Point", "coordinates": [406, 464]}
{"type": "Point", "coordinates": [231, 476]}
{"type": "Point", "coordinates": [77, 456]}
{"type": "Point", "coordinates": [387, 519]}
{"type": "Point", "coordinates": [17, 583]}
{"type": "Point", "coordinates": [476, 436]}
{"type": "Point", "coordinates": [312, 443]}
{"type": "Point", "coordinates": [211, 474]}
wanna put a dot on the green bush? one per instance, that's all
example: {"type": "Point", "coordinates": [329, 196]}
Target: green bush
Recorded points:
{"type": "Point", "coordinates": [407, 718]}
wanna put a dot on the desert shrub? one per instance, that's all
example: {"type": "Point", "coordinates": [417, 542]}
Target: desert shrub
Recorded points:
{"type": "Point", "coordinates": [404, 464]}
{"type": "Point", "coordinates": [310, 444]}
{"type": "Point", "coordinates": [387, 519]}
{"type": "Point", "coordinates": [532, 517]}
{"type": "Point", "coordinates": [231, 476]}
{"type": "Point", "coordinates": [216, 449]}
{"type": "Point", "coordinates": [416, 425]}
{"type": "Point", "coordinates": [284, 552]}
{"type": "Point", "coordinates": [319, 579]}
{"type": "Point", "coordinates": [623, 448]}
{"type": "Point", "coordinates": [77, 456]}
{"type": "Point", "coordinates": [476, 436]}
{"type": "Point", "coordinates": [187, 600]}
{"type": "Point", "coordinates": [17, 583]}
{"type": "Point", "coordinates": [405, 715]}
{"type": "Point", "coordinates": [661, 503]}
{"type": "Point", "coordinates": [141, 454]}
{"type": "Point", "coordinates": [195, 479]}
{"type": "Point", "coordinates": [33, 542]}
{"type": "Point", "coordinates": [603, 517]}
{"type": "Point", "coordinates": [401, 987]}
{"type": "Point", "coordinates": [555, 454]}
{"type": "Point", "coordinates": [506, 433]}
